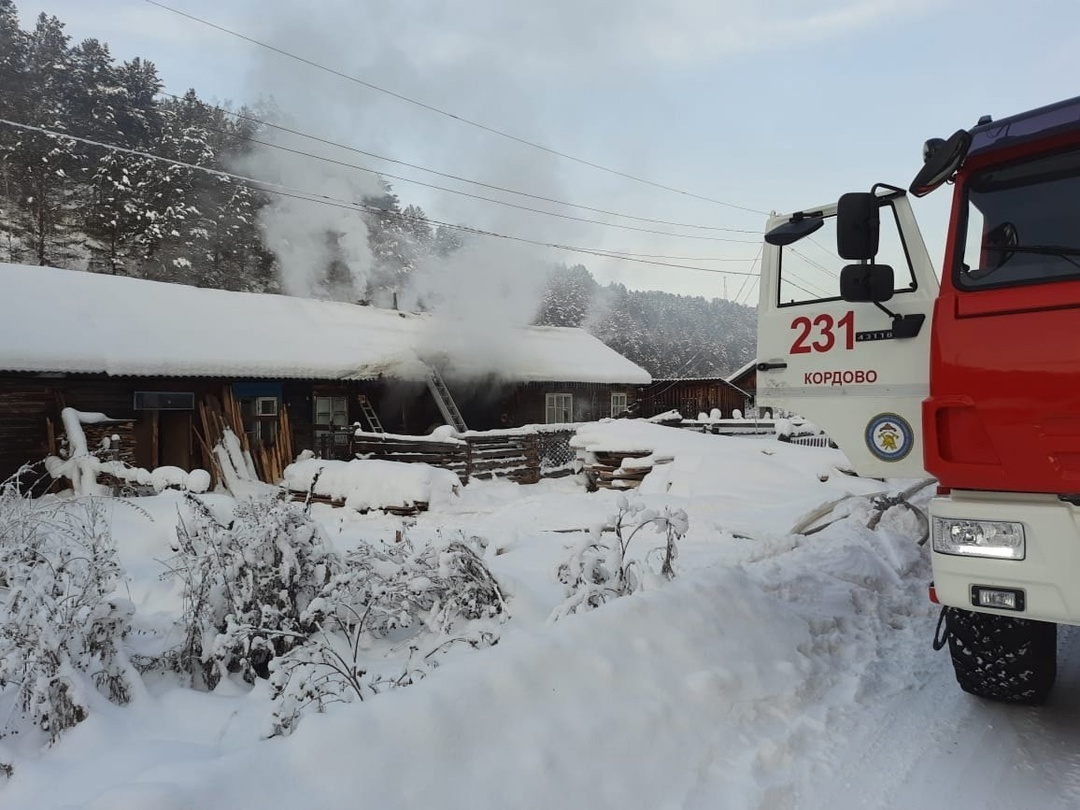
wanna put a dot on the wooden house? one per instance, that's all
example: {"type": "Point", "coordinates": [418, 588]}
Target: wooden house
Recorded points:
{"type": "Point", "coordinates": [693, 395]}
{"type": "Point", "coordinates": [165, 363]}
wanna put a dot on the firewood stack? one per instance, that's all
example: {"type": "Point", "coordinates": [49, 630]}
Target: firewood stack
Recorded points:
{"type": "Point", "coordinates": [216, 415]}
{"type": "Point", "coordinates": [605, 470]}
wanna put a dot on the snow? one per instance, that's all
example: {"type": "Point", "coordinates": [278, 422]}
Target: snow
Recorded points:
{"type": "Point", "coordinates": [372, 483]}
{"type": "Point", "coordinates": [777, 670]}
{"type": "Point", "coordinates": [89, 322]}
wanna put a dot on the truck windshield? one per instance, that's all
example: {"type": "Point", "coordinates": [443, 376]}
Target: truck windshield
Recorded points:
{"type": "Point", "coordinates": [1023, 223]}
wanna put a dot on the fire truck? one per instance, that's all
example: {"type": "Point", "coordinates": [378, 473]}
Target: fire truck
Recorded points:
{"type": "Point", "coordinates": [971, 376]}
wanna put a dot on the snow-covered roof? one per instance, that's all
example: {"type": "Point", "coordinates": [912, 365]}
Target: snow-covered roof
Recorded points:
{"type": "Point", "coordinates": [55, 320]}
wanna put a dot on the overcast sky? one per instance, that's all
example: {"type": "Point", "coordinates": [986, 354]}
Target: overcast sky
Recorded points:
{"type": "Point", "coordinates": [764, 104]}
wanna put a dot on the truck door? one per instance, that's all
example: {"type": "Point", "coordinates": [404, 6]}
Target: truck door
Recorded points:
{"type": "Point", "coordinates": [849, 367]}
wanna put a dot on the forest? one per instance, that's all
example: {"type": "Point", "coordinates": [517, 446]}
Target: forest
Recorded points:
{"type": "Point", "coordinates": [101, 170]}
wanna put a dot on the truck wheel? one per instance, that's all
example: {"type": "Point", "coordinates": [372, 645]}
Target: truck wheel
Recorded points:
{"type": "Point", "coordinates": [1002, 658]}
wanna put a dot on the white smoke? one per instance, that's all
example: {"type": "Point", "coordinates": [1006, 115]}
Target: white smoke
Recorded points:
{"type": "Point", "coordinates": [481, 294]}
{"type": "Point", "coordinates": [322, 248]}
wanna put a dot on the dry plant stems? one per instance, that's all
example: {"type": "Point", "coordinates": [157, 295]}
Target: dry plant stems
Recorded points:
{"type": "Point", "coordinates": [438, 596]}
{"type": "Point", "coordinates": [597, 572]}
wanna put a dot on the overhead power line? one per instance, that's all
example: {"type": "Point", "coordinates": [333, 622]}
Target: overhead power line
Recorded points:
{"type": "Point", "coordinates": [446, 113]}
{"type": "Point", "coordinates": [677, 258]}
{"type": "Point", "coordinates": [322, 199]}
{"type": "Point", "coordinates": [738, 295]}
{"type": "Point", "coordinates": [530, 209]}
{"type": "Point", "coordinates": [281, 128]}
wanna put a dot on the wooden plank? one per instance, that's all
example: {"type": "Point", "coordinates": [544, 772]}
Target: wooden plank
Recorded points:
{"type": "Point", "coordinates": [500, 453]}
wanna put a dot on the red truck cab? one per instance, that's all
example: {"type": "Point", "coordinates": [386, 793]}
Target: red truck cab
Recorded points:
{"type": "Point", "coordinates": [1004, 405]}
{"type": "Point", "coordinates": [972, 378]}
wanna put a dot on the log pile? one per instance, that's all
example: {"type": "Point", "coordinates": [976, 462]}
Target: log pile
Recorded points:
{"type": "Point", "coordinates": [410, 510]}
{"type": "Point", "coordinates": [120, 449]}
{"type": "Point", "coordinates": [604, 470]}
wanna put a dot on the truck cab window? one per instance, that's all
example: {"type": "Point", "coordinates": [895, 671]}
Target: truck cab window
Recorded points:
{"type": "Point", "coordinates": [1021, 224]}
{"type": "Point", "coordinates": [810, 268]}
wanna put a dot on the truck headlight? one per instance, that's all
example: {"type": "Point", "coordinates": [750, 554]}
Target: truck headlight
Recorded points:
{"type": "Point", "coordinates": [979, 538]}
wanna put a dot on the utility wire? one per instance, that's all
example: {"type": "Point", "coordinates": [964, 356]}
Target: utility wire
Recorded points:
{"type": "Point", "coordinates": [750, 291]}
{"type": "Point", "coordinates": [530, 209]}
{"type": "Point", "coordinates": [738, 295]}
{"type": "Point", "coordinates": [263, 122]}
{"type": "Point", "coordinates": [678, 258]}
{"type": "Point", "coordinates": [314, 197]}
{"type": "Point", "coordinates": [812, 263]}
{"type": "Point", "coordinates": [437, 110]}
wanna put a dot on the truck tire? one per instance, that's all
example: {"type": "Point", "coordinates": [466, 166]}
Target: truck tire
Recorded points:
{"type": "Point", "coordinates": [1002, 658]}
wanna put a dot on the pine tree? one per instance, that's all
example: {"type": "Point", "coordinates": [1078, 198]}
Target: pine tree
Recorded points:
{"type": "Point", "coordinates": [14, 101]}
{"type": "Point", "coordinates": [103, 107]}
{"type": "Point", "coordinates": [400, 239]}
{"type": "Point", "coordinates": [569, 295]}
{"type": "Point", "coordinates": [42, 165]}
{"type": "Point", "coordinates": [167, 241]}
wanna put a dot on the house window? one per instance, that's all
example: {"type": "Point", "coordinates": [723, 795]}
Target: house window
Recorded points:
{"type": "Point", "coordinates": [619, 402]}
{"type": "Point", "coordinates": [330, 419]}
{"type": "Point", "coordinates": [560, 408]}
{"type": "Point", "coordinates": [260, 416]}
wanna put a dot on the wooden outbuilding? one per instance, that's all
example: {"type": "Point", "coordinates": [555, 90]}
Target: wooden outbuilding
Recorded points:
{"type": "Point", "coordinates": [691, 396]}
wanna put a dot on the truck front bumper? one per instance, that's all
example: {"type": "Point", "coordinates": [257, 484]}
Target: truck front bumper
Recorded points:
{"type": "Point", "coordinates": [1048, 577]}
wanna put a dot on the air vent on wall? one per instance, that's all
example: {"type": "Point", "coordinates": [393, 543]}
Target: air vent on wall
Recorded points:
{"type": "Point", "coordinates": [164, 401]}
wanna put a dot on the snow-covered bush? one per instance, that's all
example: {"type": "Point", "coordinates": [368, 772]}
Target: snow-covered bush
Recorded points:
{"type": "Point", "coordinates": [247, 586]}
{"type": "Point", "coordinates": [398, 586]}
{"type": "Point", "coordinates": [265, 597]}
{"type": "Point", "coordinates": [598, 571]}
{"type": "Point", "coordinates": [61, 626]}
{"type": "Point", "coordinates": [432, 598]}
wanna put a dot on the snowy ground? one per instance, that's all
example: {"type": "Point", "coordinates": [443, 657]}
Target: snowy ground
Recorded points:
{"type": "Point", "coordinates": [775, 671]}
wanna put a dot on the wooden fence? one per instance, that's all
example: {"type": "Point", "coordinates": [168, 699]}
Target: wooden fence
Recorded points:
{"type": "Point", "coordinates": [524, 456]}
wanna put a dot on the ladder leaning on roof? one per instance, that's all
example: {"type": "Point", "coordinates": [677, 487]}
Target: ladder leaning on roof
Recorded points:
{"type": "Point", "coordinates": [370, 415]}
{"type": "Point", "coordinates": [447, 406]}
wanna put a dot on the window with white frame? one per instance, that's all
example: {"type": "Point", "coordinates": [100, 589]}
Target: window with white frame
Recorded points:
{"type": "Point", "coordinates": [619, 402]}
{"type": "Point", "coordinates": [260, 415]}
{"type": "Point", "coordinates": [559, 408]}
{"type": "Point", "coordinates": [331, 417]}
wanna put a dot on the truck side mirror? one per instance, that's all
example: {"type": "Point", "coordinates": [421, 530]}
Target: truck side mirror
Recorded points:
{"type": "Point", "coordinates": [860, 283]}
{"type": "Point", "coordinates": [941, 159]}
{"type": "Point", "coordinates": [857, 225]}
{"type": "Point", "coordinates": [794, 229]}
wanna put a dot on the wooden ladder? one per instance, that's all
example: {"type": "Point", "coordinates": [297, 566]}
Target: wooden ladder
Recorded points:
{"type": "Point", "coordinates": [370, 415]}
{"type": "Point", "coordinates": [447, 407]}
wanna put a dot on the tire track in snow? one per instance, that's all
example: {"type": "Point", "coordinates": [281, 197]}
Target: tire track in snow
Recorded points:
{"type": "Point", "coordinates": [938, 747]}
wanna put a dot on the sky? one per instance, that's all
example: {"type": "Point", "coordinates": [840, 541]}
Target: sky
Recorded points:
{"type": "Point", "coordinates": [764, 106]}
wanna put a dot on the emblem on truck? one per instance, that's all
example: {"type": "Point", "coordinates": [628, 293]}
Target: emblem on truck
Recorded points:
{"type": "Point", "coordinates": [889, 437]}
